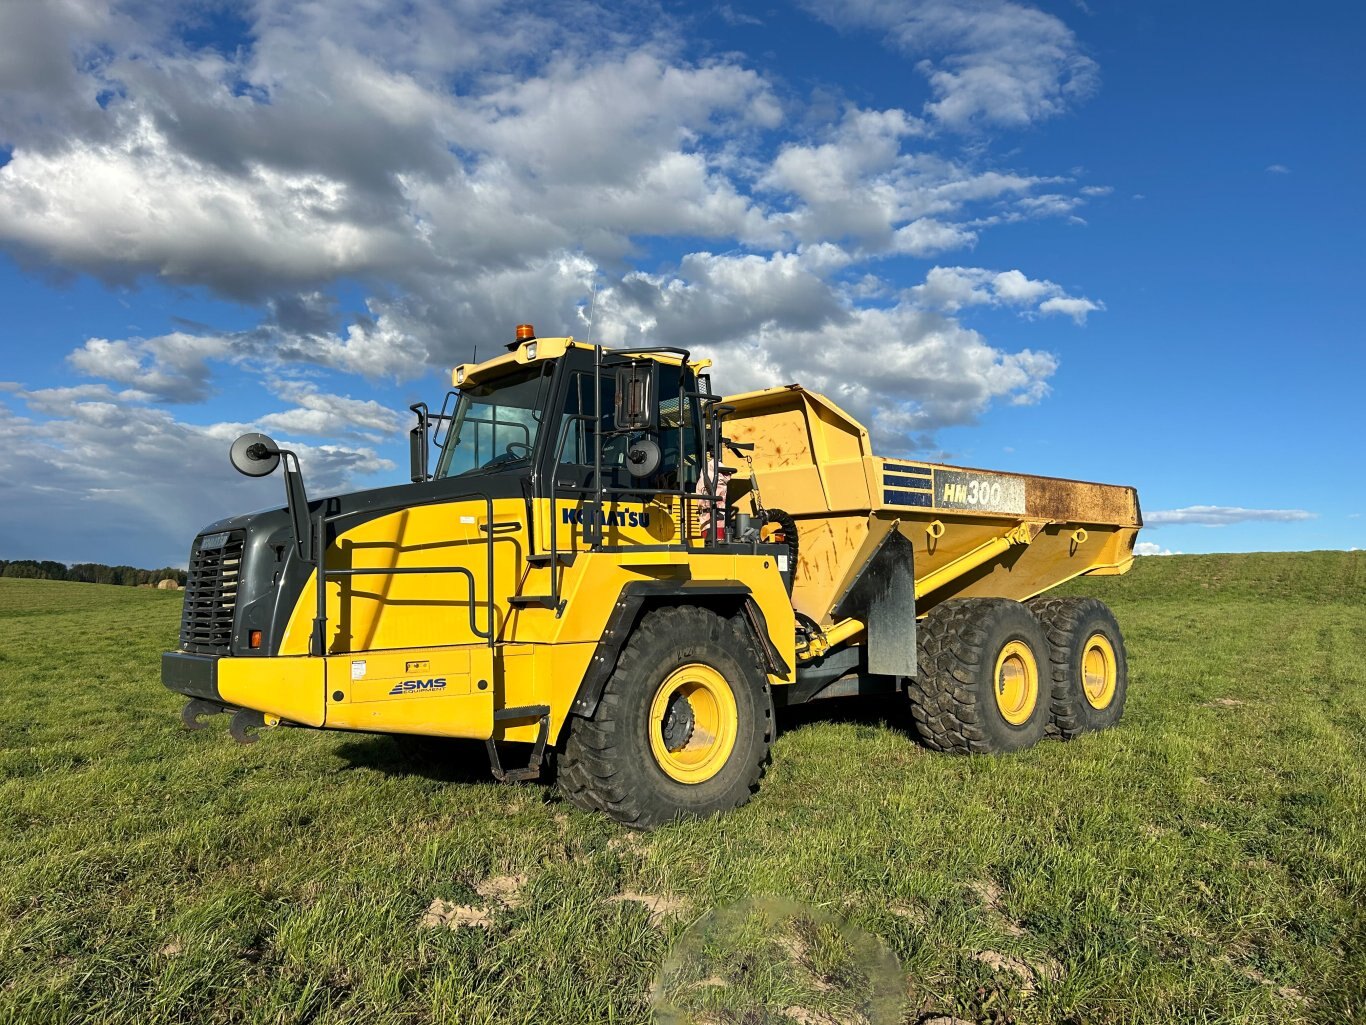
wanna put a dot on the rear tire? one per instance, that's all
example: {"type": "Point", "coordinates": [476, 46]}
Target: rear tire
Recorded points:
{"type": "Point", "coordinates": [1090, 668]}
{"type": "Point", "coordinates": [981, 687]}
{"type": "Point", "coordinates": [682, 729]}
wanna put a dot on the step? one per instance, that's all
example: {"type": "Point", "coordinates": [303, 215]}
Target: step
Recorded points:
{"type": "Point", "coordinates": [545, 558]}
{"type": "Point", "coordinates": [544, 601]}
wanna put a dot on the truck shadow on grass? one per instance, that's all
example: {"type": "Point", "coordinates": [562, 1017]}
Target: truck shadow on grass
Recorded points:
{"type": "Point", "coordinates": [445, 760]}
{"type": "Point", "coordinates": [439, 759]}
{"type": "Point", "coordinates": [892, 712]}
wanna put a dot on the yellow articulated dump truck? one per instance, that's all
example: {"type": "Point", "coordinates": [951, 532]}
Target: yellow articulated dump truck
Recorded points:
{"type": "Point", "coordinates": [602, 567]}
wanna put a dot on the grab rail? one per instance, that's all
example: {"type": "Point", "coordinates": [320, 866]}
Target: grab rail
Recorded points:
{"type": "Point", "coordinates": [318, 643]}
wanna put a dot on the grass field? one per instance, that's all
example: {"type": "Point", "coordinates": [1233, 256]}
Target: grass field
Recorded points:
{"type": "Point", "coordinates": [1205, 862]}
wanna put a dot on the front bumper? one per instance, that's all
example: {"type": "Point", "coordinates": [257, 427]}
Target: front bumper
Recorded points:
{"type": "Point", "coordinates": [290, 688]}
{"type": "Point", "coordinates": [195, 676]}
{"type": "Point", "coordinates": [440, 692]}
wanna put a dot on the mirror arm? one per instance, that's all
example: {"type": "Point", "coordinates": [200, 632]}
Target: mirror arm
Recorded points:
{"type": "Point", "coordinates": [296, 497]}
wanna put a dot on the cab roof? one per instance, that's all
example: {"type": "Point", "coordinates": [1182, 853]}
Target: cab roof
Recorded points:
{"type": "Point", "coordinates": [536, 350]}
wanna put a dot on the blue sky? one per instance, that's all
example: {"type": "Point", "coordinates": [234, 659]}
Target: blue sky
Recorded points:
{"type": "Point", "coordinates": [1113, 242]}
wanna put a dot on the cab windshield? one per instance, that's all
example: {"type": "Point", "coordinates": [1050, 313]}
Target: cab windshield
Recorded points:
{"type": "Point", "coordinates": [496, 423]}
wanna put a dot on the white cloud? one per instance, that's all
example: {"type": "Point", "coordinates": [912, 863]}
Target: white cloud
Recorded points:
{"type": "Point", "coordinates": [863, 181]}
{"type": "Point", "coordinates": [904, 372]}
{"type": "Point", "coordinates": [722, 298]}
{"type": "Point", "coordinates": [952, 288]}
{"type": "Point", "coordinates": [1278, 169]}
{"type": "Point", "coordinates": [990, 62]}
{"type": "Point", "coordinates": [168, 368]}
{"type": "Point", "coordinates": [731, 16]}
{"type": "Point", "coordinates": [1077, 309]}
{"type": "Point", "coordinates": [242, 173]}
{"type": "Point", "coordinates": [319, 413]}
{"type": "Point", "coordinates": [928, 237]}
{"type": "Point", "coordinates": [1149, 548]}
{"type": "Point", "coordinates": [1224, 515]}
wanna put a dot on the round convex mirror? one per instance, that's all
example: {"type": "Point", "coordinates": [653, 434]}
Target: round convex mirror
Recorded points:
{"type": "Point", "coordinates": [643, 457]}
{"type": "Point", "coordinates": [255, 455]}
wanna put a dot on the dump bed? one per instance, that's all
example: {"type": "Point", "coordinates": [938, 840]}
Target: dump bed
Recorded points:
{"type": "Point", "coordinates": [976, 533]}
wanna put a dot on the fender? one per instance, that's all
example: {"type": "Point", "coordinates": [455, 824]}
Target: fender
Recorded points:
{"type": "Point", "coordinates": [626, 611]}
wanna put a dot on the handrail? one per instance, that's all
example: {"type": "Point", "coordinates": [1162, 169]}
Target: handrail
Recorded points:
{"type": "Point", "coordinates": [645, 350]}
{"type": "Point", "coordinates": [554, 498]}
{"type": "Point", "coordinates": [321, 520]}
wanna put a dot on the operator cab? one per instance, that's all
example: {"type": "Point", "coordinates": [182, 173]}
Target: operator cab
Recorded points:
{"type": "Point", "coordinates": [569, 418]}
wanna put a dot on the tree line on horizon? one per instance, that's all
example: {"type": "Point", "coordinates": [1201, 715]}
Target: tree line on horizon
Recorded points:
{"type": "Point", "coordinates": [89, 572]}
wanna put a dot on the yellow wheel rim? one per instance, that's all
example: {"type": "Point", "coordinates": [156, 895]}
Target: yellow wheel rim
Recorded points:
{"type": "Point", "coordinates": [1017, 683]}
{"type": "Point", "coordinates": [698, 695]}
{"type": "Point", "coordinates": [1099, 671]}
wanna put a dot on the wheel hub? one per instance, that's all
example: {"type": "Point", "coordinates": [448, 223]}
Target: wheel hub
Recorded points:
{"type": "Point", "coordinates": [1016, 683]}
{"type": "Point", "coordinates": [693, 723]}
{"type": "Point", "coordinates": [679, 722]}
{"type": "Point", "coordinates": [1099, 671]}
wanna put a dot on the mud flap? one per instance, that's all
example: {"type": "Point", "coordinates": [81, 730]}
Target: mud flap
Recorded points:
{"type": "Point", "coordinates": [883, 597]}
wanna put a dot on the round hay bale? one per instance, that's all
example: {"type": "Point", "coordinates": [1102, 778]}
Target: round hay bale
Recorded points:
{"type": "Point", "coordinates": [168, 585]}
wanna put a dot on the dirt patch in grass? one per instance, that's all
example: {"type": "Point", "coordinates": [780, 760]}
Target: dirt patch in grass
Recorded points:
{"type": "Point", "coordinates": [629, 842]}
{"type": "Point", "coordinates": [1029, 972]}
{"type": "Point", "coordinates": [806, 1016]}
{"type": "Point", "coordinates": [913, 913]}
{"type": "Point", "coordinates": [445, 915]}
{"type": "Point", "coordinates": [769, 959]}
{"type": "Point", "coordinates": [1289, 994]}
{"type": "Point", "coordinates": [505, 890]}
{"type": "Point", "coordinates": [659, 905]}
{"type": "Point", "coordinates": [992, 896]}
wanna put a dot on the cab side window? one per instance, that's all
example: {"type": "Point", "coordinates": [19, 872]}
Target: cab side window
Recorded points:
{"type": "Point", "coordinates": [679, 435]}
{"type": "Point", "coordinates": [574, 454]}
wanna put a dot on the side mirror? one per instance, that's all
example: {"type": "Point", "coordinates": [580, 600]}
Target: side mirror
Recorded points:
{"type": "Point", "coordinates": [637, 388]}
{"type": "Point", "coordinates": [417, 444]}
{"type": "Point", "coordinates": [643, 457]}
{"type": "Point", "coordinates": [255, 455]}
{"type": "Point", "coordinates": [417, 454]}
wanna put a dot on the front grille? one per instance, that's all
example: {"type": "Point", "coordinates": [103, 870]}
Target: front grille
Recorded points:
{"type": "Point", "coordinates": [211, 593]}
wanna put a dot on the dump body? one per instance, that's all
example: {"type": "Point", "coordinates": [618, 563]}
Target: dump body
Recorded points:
{"type": "Point", "coordinates": [976, 533]}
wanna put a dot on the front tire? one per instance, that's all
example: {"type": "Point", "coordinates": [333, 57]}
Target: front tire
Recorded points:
{"type": "Point", "coordinates": [980, 686]}
{"type": "Point", "coordinates": [1090, 668]}
{"type": "Point", "coordinates": [683, 727]}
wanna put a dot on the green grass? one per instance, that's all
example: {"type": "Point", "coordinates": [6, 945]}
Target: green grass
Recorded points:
{"type": "Point", "coordinates": [1206, 861]}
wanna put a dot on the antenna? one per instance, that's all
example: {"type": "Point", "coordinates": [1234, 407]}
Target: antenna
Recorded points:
{"type": "Point", "coordinates": [591, 307]}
